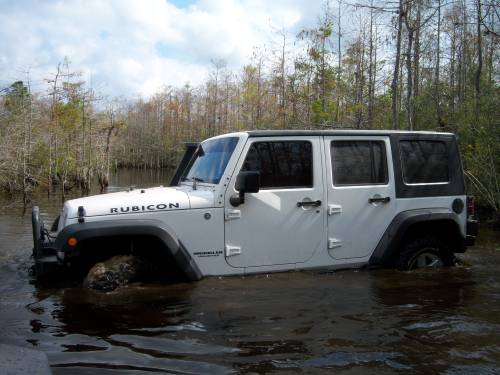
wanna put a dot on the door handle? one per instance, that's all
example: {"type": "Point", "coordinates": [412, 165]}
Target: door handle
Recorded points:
{"type": "Point", "coordinates": [309, 204]}
{"type": "Point", "coordinates": [376, 199]}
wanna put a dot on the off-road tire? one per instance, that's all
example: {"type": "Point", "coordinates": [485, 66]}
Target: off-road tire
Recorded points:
{"type": "Point", "coordinates": [420, 246]}
{"type": "Point", "coordinates": [115, 272]}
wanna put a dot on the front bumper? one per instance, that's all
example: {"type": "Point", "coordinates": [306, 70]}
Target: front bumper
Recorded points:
{"type": "Point", "coordinates": [47, 259]}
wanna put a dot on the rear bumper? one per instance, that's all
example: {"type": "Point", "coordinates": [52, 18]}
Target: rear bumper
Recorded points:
{"type": "Point", "coordinates": [472, 231]}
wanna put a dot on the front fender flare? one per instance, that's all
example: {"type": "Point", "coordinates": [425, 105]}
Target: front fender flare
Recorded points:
{"type": "Point", "coordinates": [131, 227]}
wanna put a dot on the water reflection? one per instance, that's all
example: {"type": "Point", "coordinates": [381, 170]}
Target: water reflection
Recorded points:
{"type": "Point", "coordinates": [446, 289]}
{"type": "Point", "coordinates": [132, 308]}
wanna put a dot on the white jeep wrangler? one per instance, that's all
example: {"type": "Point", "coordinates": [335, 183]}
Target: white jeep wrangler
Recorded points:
{"type": "Point", "coordinates": [267, 201]}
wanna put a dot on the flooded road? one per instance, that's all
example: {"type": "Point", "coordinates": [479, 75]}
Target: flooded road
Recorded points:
{"type": "Point", "coordinates": [346, 322]}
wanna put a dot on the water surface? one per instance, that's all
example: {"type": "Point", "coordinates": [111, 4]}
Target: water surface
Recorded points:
{"type": "Point", "coordinates": [347, 322]}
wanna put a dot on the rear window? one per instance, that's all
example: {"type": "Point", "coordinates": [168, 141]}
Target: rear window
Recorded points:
{"type": "Point", "coordinates": [359, 163]}
{"type": "Point", "coordinates": [424, 162]}
{"type": "Point", "coordinates": [286, 164]}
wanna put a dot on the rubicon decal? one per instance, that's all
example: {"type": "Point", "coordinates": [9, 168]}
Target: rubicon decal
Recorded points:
{"type": "Point", "coordinates": [149, 207]}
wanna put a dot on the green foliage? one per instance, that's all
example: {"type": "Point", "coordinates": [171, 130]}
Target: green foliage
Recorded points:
{"type": "Point", "coordinates": [15, 98]}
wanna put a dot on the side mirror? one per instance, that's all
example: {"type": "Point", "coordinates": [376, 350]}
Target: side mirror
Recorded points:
{"type": "Point", "coordinates": [246, 182]}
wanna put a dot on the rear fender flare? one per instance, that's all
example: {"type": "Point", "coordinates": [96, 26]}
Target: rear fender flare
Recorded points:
{"type": "Point", "coordinates": [398, 228]}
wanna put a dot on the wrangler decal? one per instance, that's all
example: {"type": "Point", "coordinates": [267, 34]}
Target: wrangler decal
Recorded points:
{"type": "Point", "coordinates": [151, 207]}
{"type": "Point", "coordinates": [204, 254]}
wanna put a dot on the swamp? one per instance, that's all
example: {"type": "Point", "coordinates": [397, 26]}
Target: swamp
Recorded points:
{"type": "Point", "coordinates": [444, 321]}
{"type": "Point", "coordinates": [100, 96]}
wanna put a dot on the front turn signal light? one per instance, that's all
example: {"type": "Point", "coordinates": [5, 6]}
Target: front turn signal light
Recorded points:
{"type": "Point", "coordinates": [72, 241]}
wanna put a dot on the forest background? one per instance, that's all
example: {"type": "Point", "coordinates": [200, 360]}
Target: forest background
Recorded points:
{"type": "Point", "coordinates": [404, 64]}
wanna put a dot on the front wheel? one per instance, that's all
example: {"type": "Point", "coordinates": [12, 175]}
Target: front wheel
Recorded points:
{"type": "Point", "coordinates": [424, 252]}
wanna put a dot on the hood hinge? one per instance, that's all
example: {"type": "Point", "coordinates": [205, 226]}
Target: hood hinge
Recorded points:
{"type": "Point", "coordinates": [81, 214]}
{"type": "Point", "coordinates": [232, 214]}
{"type": "Point", "coordinates": [232, 250]}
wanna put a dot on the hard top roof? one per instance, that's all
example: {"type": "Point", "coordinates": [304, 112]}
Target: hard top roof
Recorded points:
{"type": "Point", "coordinates": [338, 132]}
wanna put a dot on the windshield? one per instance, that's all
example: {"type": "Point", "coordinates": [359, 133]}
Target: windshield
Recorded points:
{"type": "Point", "coordinates": [210, 160]}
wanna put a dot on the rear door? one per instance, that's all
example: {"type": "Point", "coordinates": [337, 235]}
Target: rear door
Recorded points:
{"type": "Point", "coordinates": [361, 194]}
{"type": "Point", "coordinates": [283, 223]}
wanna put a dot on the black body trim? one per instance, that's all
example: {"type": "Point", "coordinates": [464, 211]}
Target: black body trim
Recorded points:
{"type": "Point", "coordinates": [188, 154]}
{"type": "Point", "coordinates": [111, 228]}
{"type": "Point", "coordinates": [395, 232]}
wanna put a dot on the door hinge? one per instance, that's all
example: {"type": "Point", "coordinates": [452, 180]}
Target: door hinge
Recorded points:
{"type": "Point", "coordinates": [334, 243]}
{"type": "Point", "coordinates": [334, 209]}
{"type": "Point", "coordinates": [233, 214]}
{"type": "Point", "coordinates": [232, 250]}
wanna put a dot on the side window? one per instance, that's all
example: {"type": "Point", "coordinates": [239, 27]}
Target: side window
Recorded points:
{"type": "Point", "coordinates": [359, 163]}
{"type": "Point", "coordinates": [282, 164]}
{"type": "Point", "coordinates": [424, 161]}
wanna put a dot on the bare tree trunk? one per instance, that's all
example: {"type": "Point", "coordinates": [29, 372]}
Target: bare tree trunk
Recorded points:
{"type": "Point", "coordinates": [259, 92]}
{"type": "Point", "coordinates": [416, 63]}
{"type": "Point", "coordinates": [24, 150]}
{"type": "Point", "coordinates": [462, 85]}
{"type": "Point", "coordinates": [437, 83]}
{"type": "Point", "coordinates": [337, 112]}
{"type": "Point", "coordinates": [453, 54]}
{"type": "Point", "coordinates": [371, 80]}
{"type": "Point", "coordinates": [53, 134]}
{"type": "Point", "coordinates": [360, 82]}
{"type": "Point", "coordinates": [477, 78]}
{"type": "Point", "coordinates": [105, 180]}
{"type": "Point", "coordinates": [395, 77]}
{"type": "Point", "coordinates": [491, 51]}
{"type": "Point", "coordinates": [409, 76]}
{"type": "Point", "coordinates": [283, 81]}
{"type": "Point", "coordinates": [30, 120]}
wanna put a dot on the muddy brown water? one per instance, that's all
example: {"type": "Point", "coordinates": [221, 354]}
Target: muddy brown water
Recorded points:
{"type": "Point", "coordinates": [347, 322]}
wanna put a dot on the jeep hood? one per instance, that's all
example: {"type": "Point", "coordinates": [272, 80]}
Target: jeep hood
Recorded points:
{"type": "Point", "coordinates": [138, 201]}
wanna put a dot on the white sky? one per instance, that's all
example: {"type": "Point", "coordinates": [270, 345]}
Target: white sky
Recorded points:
{"type": "Point", "coordinates": [132, 47]}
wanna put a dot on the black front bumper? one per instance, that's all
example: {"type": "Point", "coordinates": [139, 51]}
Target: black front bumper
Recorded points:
{"type": "Point", "coordinates": [44, 253]}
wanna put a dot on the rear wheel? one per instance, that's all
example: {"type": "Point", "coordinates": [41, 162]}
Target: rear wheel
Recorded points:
{"type": "Point", "coordinates": [424, 252]}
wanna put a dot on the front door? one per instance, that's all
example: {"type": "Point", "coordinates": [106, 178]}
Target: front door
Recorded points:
{"type": "Point", "coordinates": [283, 223]}
{"type": "Point", "coordinates": [361, 194]}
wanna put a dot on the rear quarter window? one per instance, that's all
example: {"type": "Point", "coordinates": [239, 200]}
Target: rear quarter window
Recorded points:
{"type": "Point", "coordinates": [424, 162]}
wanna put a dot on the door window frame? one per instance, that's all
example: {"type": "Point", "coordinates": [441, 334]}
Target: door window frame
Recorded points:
{"type": "Point", "coordinates": [386, 165]}
{"type": "Point", "coordinates": [328, 159]}
{"type": "Point", "coordinates": [310, 140]}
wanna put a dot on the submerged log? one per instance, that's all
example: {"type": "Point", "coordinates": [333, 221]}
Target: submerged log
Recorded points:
{"type": "Point", "coordinates": [114, 272]}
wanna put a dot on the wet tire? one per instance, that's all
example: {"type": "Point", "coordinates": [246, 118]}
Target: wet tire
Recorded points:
{"type": "Point", "coordinates": [424, 252]}
{"type": "Point", "coordinates": [115, 272]}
